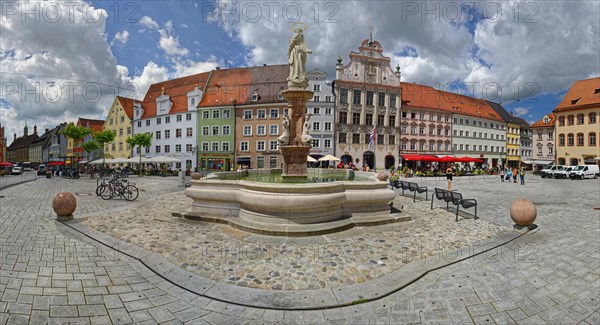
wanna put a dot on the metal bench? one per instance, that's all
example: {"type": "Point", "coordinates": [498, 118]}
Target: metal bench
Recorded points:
{"type": "Point", "coordinates": [415, 188]}
{"type": "Point", "coordinates": [457, 199]}
{"type": "Point", "coordinates": [442, 195]}
{"type": "Point", "coordinates": [403, 185]}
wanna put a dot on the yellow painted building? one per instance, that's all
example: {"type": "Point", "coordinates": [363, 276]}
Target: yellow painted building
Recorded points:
{"type": "Point", "coordinates": [119, 119]}
{"type": "Point", "coordinates": [513, 140]}
{"type": "Point", "coordinates": [577, 126]}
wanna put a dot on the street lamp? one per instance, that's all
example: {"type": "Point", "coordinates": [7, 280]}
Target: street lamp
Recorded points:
{"type": "Point", "coordinates": [195, 153]}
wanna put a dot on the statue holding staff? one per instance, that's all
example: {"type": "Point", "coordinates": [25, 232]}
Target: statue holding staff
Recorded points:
{"type": "Point", "coordinates": [297, 53]}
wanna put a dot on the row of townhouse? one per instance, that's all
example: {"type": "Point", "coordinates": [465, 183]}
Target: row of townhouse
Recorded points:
{"type": "Point", "coordinates": [232, 117]}
{"type": "Point", "coordinates": [569, 135]}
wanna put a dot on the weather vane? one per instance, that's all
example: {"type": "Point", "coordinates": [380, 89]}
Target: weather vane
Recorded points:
{"type": "Point", "coordinates": [298, 27]}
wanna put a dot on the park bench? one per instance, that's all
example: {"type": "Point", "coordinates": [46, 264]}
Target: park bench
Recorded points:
{"type": "Point", "coordinates": [415, 188]}
{"type": "Point", "coordinates": [442, 195]}
{"type": "Point", "coordinates": [402, 185]}
{"type": "Point", "coordinates": [458, 201]}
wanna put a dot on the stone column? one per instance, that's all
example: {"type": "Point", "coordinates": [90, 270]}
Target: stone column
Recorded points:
{"type": "Point", "coordinates": [295, 152]}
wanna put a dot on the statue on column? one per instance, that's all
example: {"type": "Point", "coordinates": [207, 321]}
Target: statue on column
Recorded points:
{"type": "Point", "coordinates": [297, 53]}
{"type": "Point", "coordinates": [284, 138]}
{"type": "Point", "coordinates": [306, 139]}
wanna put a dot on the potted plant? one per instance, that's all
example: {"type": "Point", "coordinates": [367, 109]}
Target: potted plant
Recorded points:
{"type": "Point", "coordinates": [188, 170]}
{"type": "Point", "coordinates": [394, 180]}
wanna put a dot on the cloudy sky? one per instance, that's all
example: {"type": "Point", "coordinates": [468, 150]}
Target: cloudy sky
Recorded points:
{"type": "Point", "coordinates": [64, 60]}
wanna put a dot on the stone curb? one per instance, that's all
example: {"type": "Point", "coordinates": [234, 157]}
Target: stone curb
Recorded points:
{"type": "Point", "coordinates": [299, 299]}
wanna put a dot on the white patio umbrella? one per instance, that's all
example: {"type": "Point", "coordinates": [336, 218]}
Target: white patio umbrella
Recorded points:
{"type": "Point", "coordinates": [163, 159]}
{"type": "Point", "coordinates": [96, 162]}
{"type": "Point", "coordinates": [136, 160]}
{"type": "Point", "coordinates": [329, 158]}
{"type": "Point", "coordinates": [310, 159]}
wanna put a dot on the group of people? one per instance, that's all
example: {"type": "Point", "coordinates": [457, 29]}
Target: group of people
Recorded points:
{"type": "Point", "coordinates": [506, 174]}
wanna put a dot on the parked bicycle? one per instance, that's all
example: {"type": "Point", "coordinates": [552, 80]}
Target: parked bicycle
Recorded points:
{"type": "Point", "coordinates": [117, 187]}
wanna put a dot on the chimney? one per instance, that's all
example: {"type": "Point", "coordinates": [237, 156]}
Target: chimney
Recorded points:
{"type": "Point", "coordinates": [35, 129]}
{"type": "Point", "coordinates": [47, 130]}
{"type": "Point", "coordinates": [15, 137]}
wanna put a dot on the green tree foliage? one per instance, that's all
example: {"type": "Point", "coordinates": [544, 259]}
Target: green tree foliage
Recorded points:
{"type": "Point", "coordinates": [76, 133]}
{"type": "Point", "coordinates": [142, 140]}
{"type": "Point", "coordinates": [90, 146]}
{"type": "Point", "coordinates": [103, 137]}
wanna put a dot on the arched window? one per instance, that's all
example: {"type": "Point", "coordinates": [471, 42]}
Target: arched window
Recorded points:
{"type": "Point", "coordinates": [570, 120]}
{"type": "Point", "coordinates": [574, 161]}
{"type": "Point", "coordinates": [561, 121]}
{"type": "Point", "coordinates": [592, 118]}
{"type": "Point", "coordinates": [592, 139]}
{"type": "Point", "coordinates": [580, 139]}
{"type": "Point", "coordinates": [561, 140]}
{"type": "Point", "coordinates": [570, 139]}
{"type": "Point", "coordinates": [561, 161]}
{"type": "Point", "coordinates": [580, 118]}
{"type": "Point", "coordinates": [193, 101]}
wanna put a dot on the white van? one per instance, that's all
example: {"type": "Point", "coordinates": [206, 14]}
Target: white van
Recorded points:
{"type": "Point", "coordinates": [585, 171]}
{"type": "Point", "coordinates": [564, 172]}
{"type": "Point", "coordinates": [549, 170]}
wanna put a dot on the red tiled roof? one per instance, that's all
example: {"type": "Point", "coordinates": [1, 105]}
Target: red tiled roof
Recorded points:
{"type": "Point", "coordinates": [421, 96]}
{"type": "Point", "coordinates": [94, 125]}
{"type": "Point", "coordinates": [541, 124]}
{"type": "Point", "coordinates": [127, 104]}
{"type": "Point", "coordinates": [226, 87]}
{"type": "Point", "coordinates": [582, 93]}
{"type": "Point", "coordinates": [176, 89]}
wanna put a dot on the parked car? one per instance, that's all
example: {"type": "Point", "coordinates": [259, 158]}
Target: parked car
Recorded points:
{"type": "Point", "coordinates": [41, 169]}
{"type": "Point", "coordinates": [549, 170]}
{"type": "Point", "coordinates": [585, 171]}
{"type": "Point", "coordinates": [564, 172]}
{"type": "Point", "coordinates": [17, 170]}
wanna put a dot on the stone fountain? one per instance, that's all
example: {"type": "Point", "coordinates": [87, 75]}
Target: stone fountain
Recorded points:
{"type": "Point", "coordinates": [293, 207]}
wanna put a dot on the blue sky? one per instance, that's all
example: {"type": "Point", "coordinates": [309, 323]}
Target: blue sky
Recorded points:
{"type": "Point", "coordinates": [488, 48]}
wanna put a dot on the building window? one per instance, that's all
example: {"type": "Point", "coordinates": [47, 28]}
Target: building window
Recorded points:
{"type": "Point", "coordinates": [215, 114]}
{"type": "Point", "coordinates": [274, 113]}
{"type": "Point", "coordinates": [317, 110]}
{"type": "Point", "coordinates": [592, 118]}
{"type": "Point", "coordinates": [178, 133]}
{"type": "Point", "coordinates": [580, 118]}
{"type": "Point", "coordinates": [120, 132]}
{"type": "Point", "coordinates": [261, 114]}
{"type": "Point", "coordinates": [226, 113]}
{"type": "Point", "coordinates": [225, 129]}
{"type": "Point", "coordinates": [272, 145]}
{"type": "Point", "coordinates": [327, 126]}
{"type": "Point", "coordinates": [247, 114]}
{"type": "Point", "coordinates": [431, 146]}
{"type": "Point", "coordinates": [381, 139]}
{"type": "Point", "coordinates": [225, 146]}
{"type": "Point", "coordinates": [343, 95]}
{"type": "Point", "coordinates": [316, 98]}
{"type": "Point", "coordinates": [580, 139]}
{"type": "Point", "coordinates": [190, 133]}
{"type": "Point", "coordinates": [205, 130]}
{"type": "Point", "coordinates": [368, 119]}
{"type": "Point", "coordinates": [343, 117]}
{"type": "Point", "coordinates": [179, 117]}
{"type": "Point", "coordinates": [247, 130]}
{"type": "Point", "coordinates": [317, 87]}
{"type": "Point", "coordinates": [356, 138]}
{"type": "Point", "coordinates": [128, 130]}
{"type": "Point", "coordinates": [380, 119]}
{"type": "Point", "coordinates": [214, 146]}
{"type": "Point", "coordinates": [413, 146]}
{"type": "Point", "coordinates": [167, 148]}
{"type": "Point", "coordinates": [570, 120]}
{"type": "Point", "coordinates": [393, 100]}
{"type": "Point", "coordinates": [550, 150]}
{"type": "Point", "coordinates": [158, 121]}
{"type": "Point", "coordinates": [355, 118]}
{"type": "Point", "coordinates": [369, 98]}
{"type": "Point", "coordinates": [403, 145]}
{"type": "Point", "coordinates": [260, 162]}
{"type": "Point", "coordinates": [244, 146]}
{"type": "Point", "coordinates": [261, 130]}
{"type": "Point", "coordinates": [356, 97]}
{"type": "Point", "coordinates": [157, 149]}
{"type": "Point", "coordinates": [592, 139]}
{"type": "Point", "coordinates": [188, 116]}
{"type": "Point", "coordinates": [413, 129]}
{"type": "Point", "coordinates": [367, 138]}
{"type": "Point", "coordinates": [421, 130]}
{"type": "Point", "coordinates": [570, 139]}
{"type": "Point", "coordinates": [147, 122]}
{"type": "Point", "coordinates": [315, 143]}
{"type": "Point", "coordinates": [342, 137]}
{"type": "Point", "coordinates": [381, 99]}
{"type": "Point", "coordinates": [167, 119]}
{"type": "Point", "coordinates": [392, 120]}
{"type": "Point", "coordinates": [273, 162]}
{"type": "Point", "coordinates": [139, 124]}
{"type": "Point", "coordinates": [157, 135]}
{"type": "Point", "coordinates": [316, 126]}
{"type": "Point", "coordinates": [550, 135]}
{"type": "Point", "coordinates": [392, 140]}
{"type": "Point", "coordinates": [204, 146]}
{"type": "Point", "coordinates": [188, 147]}
{"type": "Point", "coordinates": [260, 146]}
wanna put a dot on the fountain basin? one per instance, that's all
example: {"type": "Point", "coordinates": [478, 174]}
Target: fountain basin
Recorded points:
{"type": "Point", "coordinates": [283, 208]}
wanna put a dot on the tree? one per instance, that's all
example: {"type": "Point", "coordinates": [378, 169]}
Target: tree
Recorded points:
{"type": "Point", "coordinates": [140, 140]}
{"type": "Point", "coordinates": [104, 137]}
{"type": "Point", "coordinates": [76, 133]}
{"type": "Point", "coordinates": [90, 146]}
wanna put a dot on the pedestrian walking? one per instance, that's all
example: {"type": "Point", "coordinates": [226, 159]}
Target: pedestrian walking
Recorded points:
{"type": "Point", "coordinates": [514, 172]}
{"type": "Point", "coordinates": [449, 174]}
{"type": "Point", "coordinates": [508, 174]}
{"type": "Point", "coordinates": [501, 174]}
{"type": "Point", "coordinates": [522, 175]}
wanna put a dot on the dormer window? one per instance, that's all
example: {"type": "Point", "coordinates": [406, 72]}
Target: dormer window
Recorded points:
{"type": "Point", "coordinates": [254, 96]}
{"type": "Point", "coordinates": [574, 101]}
{"type": "Point", "coordinates": [194, 98]}
{"type": "Point", "coordinates": [546, 120]}
{"type": "Point", "coordinates": [193, 101]}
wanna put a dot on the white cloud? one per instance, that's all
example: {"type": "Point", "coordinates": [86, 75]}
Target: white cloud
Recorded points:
{"type": "Point", "coordinates": [189, 67]}
{"type": "Point", "coordinates": [122, 36]}
{"type": "Point", "coordinates": [169, 43]}
{"type": "Point", "coordinates": [521, 111]}
{"type": "Point", "coordinates": [148, 22]}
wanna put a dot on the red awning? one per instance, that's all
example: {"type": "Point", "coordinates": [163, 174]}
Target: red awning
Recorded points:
{"type": "Point", "coordinates": [55, 163]}
{"type": "Point", "coordinates": [6, 164]}
{"type": "Point", "coordinates": [415, 157]}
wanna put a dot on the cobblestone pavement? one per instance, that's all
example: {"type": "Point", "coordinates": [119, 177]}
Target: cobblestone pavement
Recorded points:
{"type": "Point", "coordinates": [225, 254]}
{"type": "Point", "coordinates": [51, 274]}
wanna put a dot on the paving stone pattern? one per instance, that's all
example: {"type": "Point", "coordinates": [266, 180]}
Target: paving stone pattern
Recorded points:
{"type": "Point", "coordinates": [50, 274]}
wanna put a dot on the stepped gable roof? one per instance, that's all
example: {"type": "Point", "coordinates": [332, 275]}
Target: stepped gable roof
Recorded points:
{"type": "Point", "coordinates": [176, 89]}
{"type": "Point", "coordinates": [127, 104]}
{"type": "Point", "coordinates": [541, 124]}
{"type": "Point", "coordinates": [583, 93]}
{"type": "Point", "coordinates": [227, 87]}
{"type": "Point", "coordinates": [268, 81]}
{"type": "Point", "coordinates": [94, 125]}
{"type": "Point", "coordinates": [422, 96]}
{"type": "Point", "coordinates": [22, 142]}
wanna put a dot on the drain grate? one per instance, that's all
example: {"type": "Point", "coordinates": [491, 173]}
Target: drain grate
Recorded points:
{"type": "Point", "coordinates": [2, 196]}
{"type": "Point", "coordinates": [83, 194]}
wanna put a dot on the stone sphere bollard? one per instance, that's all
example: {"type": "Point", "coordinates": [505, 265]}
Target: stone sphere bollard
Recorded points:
{"type": "Point", "coordinates": [64, 204]}
{"type": "Point", "coordinates": [382, 176]}
{"type": "Point", "coordinates": [196, 176]}
{"type": "Point", "coordinates": [523, 212]}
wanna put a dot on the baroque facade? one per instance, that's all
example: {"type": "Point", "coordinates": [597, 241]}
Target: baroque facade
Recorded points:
{"type": "Point", "coordinates": [119, 119]}
{"type": "Point", "coordinates": [322, 115]}
{"type": "Point", "coordinates": [543, 141]}
{"type": "Point", "coordinates": [367, 102]}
